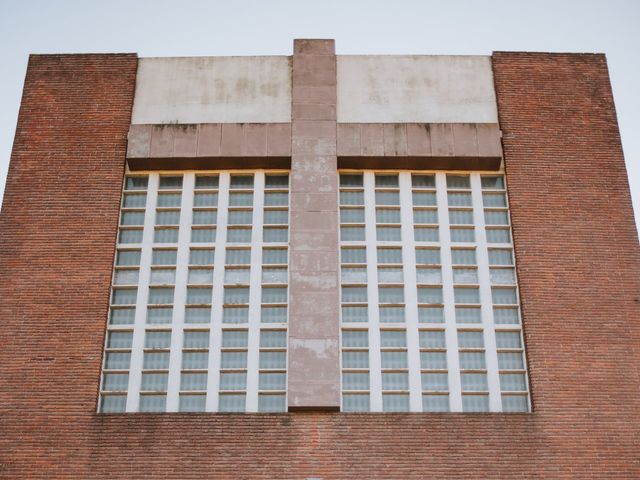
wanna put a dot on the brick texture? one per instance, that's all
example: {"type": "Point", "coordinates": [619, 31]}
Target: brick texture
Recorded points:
{"type": "Point", "coordinates": [578, 265]}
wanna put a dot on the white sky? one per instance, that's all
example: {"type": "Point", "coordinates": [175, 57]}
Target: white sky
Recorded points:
{"type": "Point", "coordinates": [254, 27]}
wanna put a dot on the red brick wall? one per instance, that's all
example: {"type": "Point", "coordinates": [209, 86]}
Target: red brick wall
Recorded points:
{"type": "Point", "coordinates": [578, 262]}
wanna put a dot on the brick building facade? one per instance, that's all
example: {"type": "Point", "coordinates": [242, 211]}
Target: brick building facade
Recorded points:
{"type": "Point", "coordinates": [411, 127]}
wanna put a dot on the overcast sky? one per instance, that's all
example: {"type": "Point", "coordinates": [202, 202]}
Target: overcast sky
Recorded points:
{"type": "Point", "coordinates": [261, 27]}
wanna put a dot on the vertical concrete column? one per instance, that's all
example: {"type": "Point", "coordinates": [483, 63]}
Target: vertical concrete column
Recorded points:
{"type": "Point", "coordinates": [314, 368]}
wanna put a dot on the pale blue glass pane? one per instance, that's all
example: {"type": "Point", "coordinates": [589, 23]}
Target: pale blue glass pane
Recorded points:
{"type": "Point", "coordinates": [154, 339]}
{"type": "Point", "coordinates": [500, 257]}
{"type": "Point", "coordinates": [463, 257]}
{"type": "Point", "coordinates": [273, 360]}
{"type": "Point", "coordinates": [430, 295]}
{"type": "Point", "coordinates": [119, 339]}
{"type": "Point", "coordinates": [197, 315]}
{"type": "Point", "coordinates": [468, 315]}
{"type": "Point", "coordinates": [465, 275]}
{"type": "Point", "coordinates": [273, 339]}
{"type": "Point", "coordinates": [240, 217]}
{"type": "Point", "coordinates": [494, 200]}
{"type": "Point", "coordinates": [241, 181]}
{"type": "Point", "coordinates": [504, 296]}
{"type": "Point", "coordinates": [117, 361]}
{"type": "Point", "coordinates": [115, 382]}
{"type": "Point", "coordinates": [206, 181]}
{"type": "Point", "coordinates": [235, 315]}
{"type": "Point", "coordinates": [395, 381]}
{"type": "Point", "coordinates": [393, 339]}
{"type": "Point", "coordinates": [459, 199]}
{"type": "Point", "coordinates": [195, 360]}
{"type": "Point", "coordinates": [425, 216]}
{"type": "Point", "coordinates": [274, 315]}
{"type": "Point", "coordinates": [426, 275]}
{"type": "Point", "coordinates": [272, 256]}
{"type": "Point", "coordinates": [431, 314]}
{"type": "Point", "coordinates": [272, 381]}
{"type": "Point", "coordinates": [461, 217]}
{"type": "Point", "coordinates": [503, 276]}
{"type": "Point", "coordinates": [432, 339]}
{"type": "Point", "coordinates": [435, 403]}
{"type": "Point", "coordinates": [167, 218]}
{"type": "Point", "coordinates": [387, 198]}
{"type": "Point", "coordinates": [169, 199]}
{"type": "Point", "coordinates": [160, 296]}
{"type": "Point", "coordinates": [352, 234]}
{"type": "Point", "coordinates": [113, 403]}
{"type": "Point", "coordinates": [274, 294]}
{"type": "Point", "coordinates": [389, 255]}
{"type": "Point", "coordinates": [200, 275]}
{"type": "Point", "coordinates": [353, 274]}
{"type": "Point", "coordinates": [353, 255]}
{"type": "Point", "coordinates": [192, 403]}
{"type": "Point", "coordinates": [153, 403]}
{"type": "Point", "coordinates": [165, 235]}
{"type": "Point", "coordinates": [424, 199]}
{"type": "Point", "coordinates": [237, 276]}
{"type": "Point", "coordinates": [276, 181]}
{"type": "Point", "coordinates": [510, 361]}
{"type": "Point", "coordinates": [155, 361]}
{"type": "Point", "coordinates": [234, 338]}
{"type": "Point", "coordinates": [351, 198]}
{"type": "Point", "coordinates": [433, 360]}
{"type": "Point", "coordinates": [272, 403]}
{"type": "Point", "coordinates": [474, 382]}
{"type": "Point", "coordinates": [512, 382]}
{"type": "Point", "coordinates": [493, 217]}
{"type": "Point", "coordinates": [427, 256]}
{"type": "Point", "coordinates": [163, 276]}
{"type": "Point", "coordinates": [193, 381]}
{"type": "Point", "coordinates": [423, 181]}
{"type": "Point", "coordinates": [435, 382]}
{"type": "Point", "coordinates": [276, 199]}
{"type": "Point", "coordinates": [394, 360]}
{"type": "Point", "coordinates": [498, 235]}
{"type": "Point", "coordinates": [354, 294]}
{"type": "Point", "coordinates": [354, 314]}
{"type": "Point", "coordinates": [205, 200]}
{"type": "Point", "coordinates": [232, 403]}
{"type": "Point", "coordinates": [470, 339]}
{"type": "Point", "coordinates": [240, 199]}
{"type": "Point", "coordinates": [154, 382]}
{"type": "Point", "coordinates": [125, 277]}
{"type": "Point", "coordinates": [508, 340]}
{"type": "Point", "coordinates": [124, 296]}
{"type": "Point", "coordinates": [233, 360]}
{"type": "Point", "coordinates": [463, 235]}
{"type": "Point", "coordinates": [466, 295]}
{"type": "Point", "coordinates": [395, 403]}
{"type": "Point", "coordinates": [233, 381]}
{"type": "Point", "coordinates": [134, 200]}
{"type": "Point", "coordinates": [355, 403]}
{"type": "Point", "coordinates": [132, 218]}
{"type": "Point", "coordinates": [475, 403]}
{"type": "Point", "coordinates": [458, 181]}
{"type": "Point", "coordinates": [351, 180]}
{"type": "Point", "coordinates": [385, 181]}
{"type": "Point", "coordinates": [388, 234]}
{"type": "Point", "coordinates": [492, 182]}
{"type": "Point", "coordinates": [170, 182]}
{"type": "Point", "coordinates": [352, 215]}
{"type": "Point", "coordinates": [391, 295]}
{"type": "Point", "coordinates": [130, 236]}
{"type": "Point", "coordinates": [355, 339]}
{"type": "Point", "coordinates": [514, 403]}
{"type": "Point", "coordinates": [355, 359]}
{"type": "Point", "coordinates": [203, 235]}
{"type": "Point", "coordinates": [472, 361]}
{"type": "Point", "coordinates": [239, 235]}
{"type": "Point", "coordinates": [391, 314]}
{"type": "Point", "coordinates": [236, 296]}
{"type": "Point", "coordinates": [426, 234]}
{"type": "Point", "coordinates": [159, 315]}
{"type": "Point", "coordinates": [198, 295]}
{"type": "Point", "coordinates": [238, 257]}
{"type": "Point", "coordinates": [355, 381]}
{"type": "Point", "coordinates": [386, 215]}
{"type": "Point", "coordinates": [164, 257]}
{"type": "Point", "coordinates": [136, 183]}
{"type": "Point", "coordinates": [196, 339]}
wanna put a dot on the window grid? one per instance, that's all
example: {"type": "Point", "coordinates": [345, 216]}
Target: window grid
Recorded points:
{"type": "Point", "coordinates": [430, 312]}
{"type": "Point", "coordinates": [177, 339]}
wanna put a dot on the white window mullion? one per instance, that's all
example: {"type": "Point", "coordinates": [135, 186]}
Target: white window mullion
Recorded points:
{"type": "Point", "coordinates": [180, 293]}
{"type": "Point", "coordinates": [215, 334]}
{"type": "Point", "coordinates": [410, 292]}
{"type": "Point", "coordinates": [451, 332]}
{"type": "Point", "coordinates": [484, 280]}
{"type": "Point", "coordinates": [375, 373]}
{"type": "Point", "coordinates": [137, 346]}
{"type": "Point", "coordinates": [255, 294]}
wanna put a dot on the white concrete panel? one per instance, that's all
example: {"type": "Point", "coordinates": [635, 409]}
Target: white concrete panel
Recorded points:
{"type": "Point", "coordinates": [420, 89]}
{"type": "Point", "coordinates": [213, 90]}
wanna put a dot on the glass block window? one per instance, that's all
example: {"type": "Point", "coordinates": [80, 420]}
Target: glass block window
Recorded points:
{"type": "Point", "coordinates": [429, 301]}
{"type": "Point", "coordinates": [199, 302]}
